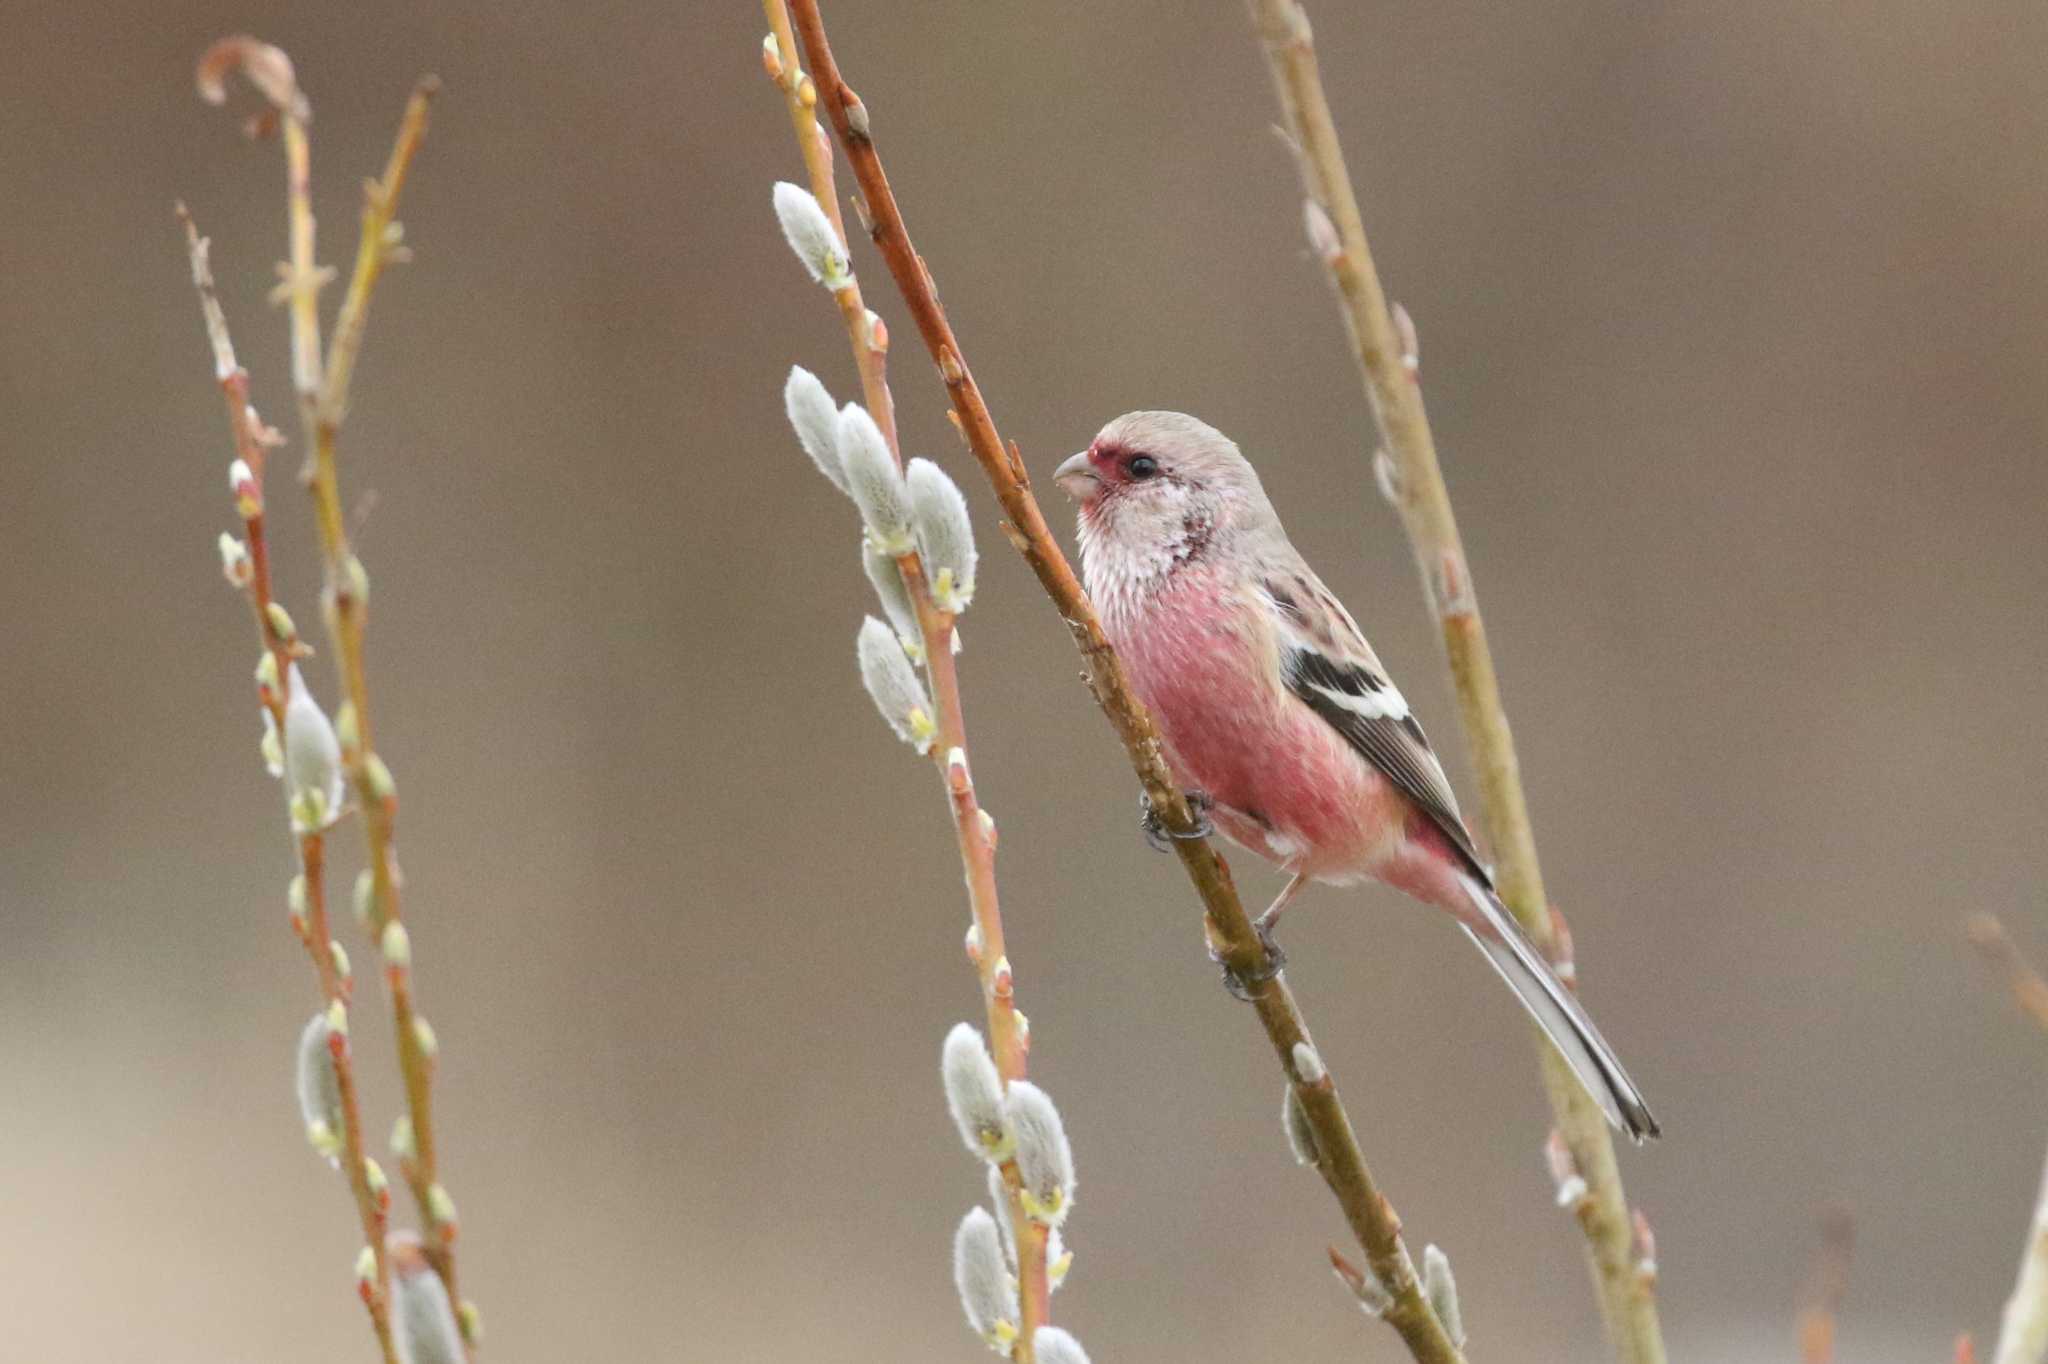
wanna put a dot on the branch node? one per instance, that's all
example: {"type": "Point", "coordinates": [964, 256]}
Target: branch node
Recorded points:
{"type": "Point", "coordinates": [1322, 233]}
{"type": "Point", "coordinates": [1643, 1244]}
{"type": "Point", "coordinates": [1572, 1192]}
{"type": "Point", "coordinates": [1411, 345]}
{"type": "Point", "coordinates": [1386, 475]}
{"type": "Point", "coordinates": [856, 115]}
{"type": "Point", "coordinates": [1562, 960]}
{"type": "Point", "coordinates": [1373, 1298]}
{"type": "Point", "coordinates": [1452, 586]}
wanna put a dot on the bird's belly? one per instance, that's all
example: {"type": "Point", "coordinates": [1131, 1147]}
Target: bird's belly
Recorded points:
{"type": "Point", "coordinates": [1285, 784]}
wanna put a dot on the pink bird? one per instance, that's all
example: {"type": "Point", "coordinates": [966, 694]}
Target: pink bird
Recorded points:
{"type": "Point", "coordinates": [1277, 713]}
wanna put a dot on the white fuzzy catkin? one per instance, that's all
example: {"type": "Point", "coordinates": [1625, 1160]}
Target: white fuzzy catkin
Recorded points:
{"type": "Point", "coordinates": [873, 481]}
{"type": "Point", "coordinates": [1051, 1345]}
{"type": "Point", "coordinates": [887, 580]}
{"type": "Point", "coordinates": [894, 685]}
{"type": "Point", "coordinates": [815, 418]}
{"type": "Point", "coordinates": [988, 1295]}
{"type": "Point", "coordinates": [945, 534]}
{"type": "Point", "coordinates": [974, 1094]}
{"type": "Point", "coordinates": [1442, 1291]}
{"type": "Point", "coordinates": [312, 756]}
{"type": "Point", "coordinates": [809, 233]}
{"type": "Point", "coordinates": [319, 1088]}
{"type": "Point", "coordinates": [423, 1323]}
{"type": "Point", "coordinates": [1045, 1160]}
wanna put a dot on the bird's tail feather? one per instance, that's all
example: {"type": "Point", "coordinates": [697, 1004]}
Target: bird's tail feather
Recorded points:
{"type": "Point", "coordinates": [1558, 1012]}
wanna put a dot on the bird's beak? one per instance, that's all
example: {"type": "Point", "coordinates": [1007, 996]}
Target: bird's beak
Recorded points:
{"type": "Point", "coordinates": [1077, 477]}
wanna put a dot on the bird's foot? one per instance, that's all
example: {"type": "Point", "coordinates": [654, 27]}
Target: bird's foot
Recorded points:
{"type": "Point", "coordinates": [1162, 838]}
{"type": "Point", "coordinates": [1241, 984]}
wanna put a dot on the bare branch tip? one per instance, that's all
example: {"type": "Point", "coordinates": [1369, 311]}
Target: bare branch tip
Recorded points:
{"type": "Point", "coordinates": [264, 66]}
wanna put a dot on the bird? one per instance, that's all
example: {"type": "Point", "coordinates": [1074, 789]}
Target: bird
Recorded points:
{"type": "Point", "coordinates": [1278, 716]}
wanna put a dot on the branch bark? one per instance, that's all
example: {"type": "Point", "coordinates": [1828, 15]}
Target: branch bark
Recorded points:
{"type": "Point", "coordinates": [322, 394]}
{"type": "Point", "coordinates": [974, 834]}
{"type": "Point", "coordinates": [346, 600]}
{"type": "Point", "coordinates": [1228, 927]}
{"type": "Point", "coordinates": [1382, 342]}
{"type": "Point", "coordinates": [252, 440]}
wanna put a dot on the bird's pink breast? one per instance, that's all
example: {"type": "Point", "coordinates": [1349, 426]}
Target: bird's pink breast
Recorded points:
{"type": "Point", "coordinates": [1286, 785]}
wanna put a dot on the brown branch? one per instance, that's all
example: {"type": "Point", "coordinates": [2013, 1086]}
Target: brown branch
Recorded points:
{"type": "Point", "coordinates": [373, 1205]}
{"type": "Point", "coordinates": [2029, 990]}
{"type": "Point", "coordinates": [1382, 342]}
{"type": "Point", "coordinates": [973, 833]}
{"type": "Point", "coordinates": [1227, 925]}
{"type": "Point", "coordinates": [347, 611]}
{"type": "Point", "coordinates": [252, 440]}
{"type": "Point", "coordinates": [323, 399]}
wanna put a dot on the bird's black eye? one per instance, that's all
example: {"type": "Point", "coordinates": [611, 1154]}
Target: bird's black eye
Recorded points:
{"type": "Point", "coordinates": [1143, 467]}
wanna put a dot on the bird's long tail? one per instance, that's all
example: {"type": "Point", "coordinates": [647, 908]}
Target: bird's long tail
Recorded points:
{"type": "Point", "coordinates": [1558, 1012]}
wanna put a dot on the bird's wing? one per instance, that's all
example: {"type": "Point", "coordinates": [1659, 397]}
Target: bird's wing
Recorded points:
{"type": "Point", "coordinates": [1330, 668]}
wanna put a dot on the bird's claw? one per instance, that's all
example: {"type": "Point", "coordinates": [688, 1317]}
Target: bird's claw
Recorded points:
{"type": "Point", "coordinates": [1241, 985]}
{"type": "Point", "coordinates": [1162, 838]}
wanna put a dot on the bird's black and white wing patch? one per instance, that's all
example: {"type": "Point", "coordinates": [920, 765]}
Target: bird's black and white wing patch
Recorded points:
{"type": "Point", "coordinates": [1328, 665]}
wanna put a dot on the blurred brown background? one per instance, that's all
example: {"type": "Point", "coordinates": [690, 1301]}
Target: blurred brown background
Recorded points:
{"type": "Point", "coordinates": [1733, 318]}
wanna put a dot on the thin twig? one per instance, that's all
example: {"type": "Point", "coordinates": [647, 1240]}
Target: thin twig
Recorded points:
{"type": "Point", "coordinates": [1227, 925]}
{"type": "Point", "coordinates": [2029, 990]}
{"type": "Point", "coordinates": [974, 834]}
{"type": "Point", "coordinates": [347, 616]}
{"type": "Point", "coordinates": [1383, 345]}
{"type": "Point", "coordinates": [252, 440]}
{"type": "Point", "coordinates": [322, 400]}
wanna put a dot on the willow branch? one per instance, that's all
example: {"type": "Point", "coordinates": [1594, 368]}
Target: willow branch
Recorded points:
{"type": "Point", "coordinates": [322, 399]}
{"type": "Point", "coordinates": [1228, 927]}
{"type": "Point", "coordinates": [347, 602]}
{"type": "Point", "coordinates": [373, 1203]}
{"type": "Point", "coordinates": [973, 832]}
{"type": "Point", "coordinates": [1382, 342]}
{"type": "Point", "coordinates": [252, 440]}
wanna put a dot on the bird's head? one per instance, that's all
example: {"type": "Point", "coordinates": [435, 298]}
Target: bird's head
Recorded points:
{"type": "Point", "coordinates": [1160, 489]}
